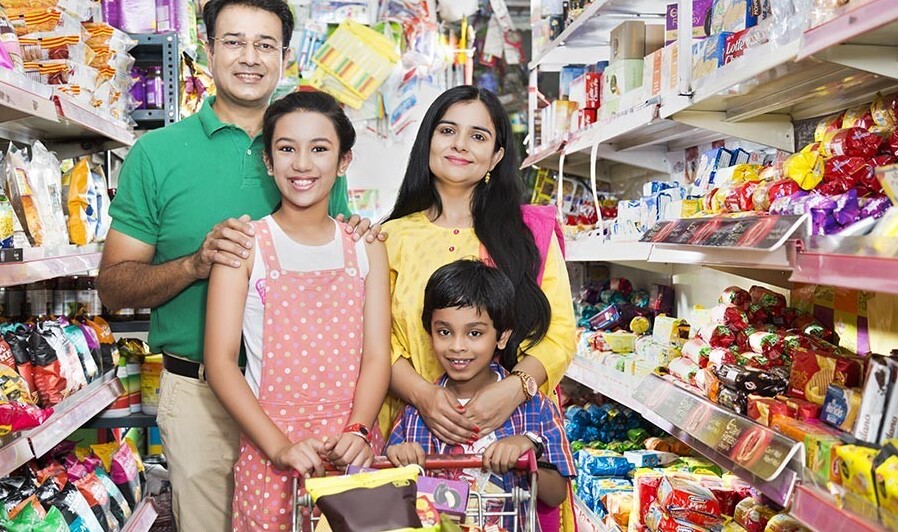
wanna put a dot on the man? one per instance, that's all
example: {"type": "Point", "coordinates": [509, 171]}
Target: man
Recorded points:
{"type": "Point", "coordinates": [176, 184]}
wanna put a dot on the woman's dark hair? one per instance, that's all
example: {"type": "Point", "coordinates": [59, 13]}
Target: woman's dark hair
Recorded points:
{"type": "Point", "coordinates": [496, 209]}
{"type": "Point", "coordinates": [473, 284]}
{"type": "Point", "coordinates": [278, 7]}
{"type": "Point", "coordinates": [312, 102]}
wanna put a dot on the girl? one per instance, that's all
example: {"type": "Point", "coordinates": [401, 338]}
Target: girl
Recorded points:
{"type": "Point", "coordinates": [461, 197]}
{"type": "Point", "coordinates": [313, 309]}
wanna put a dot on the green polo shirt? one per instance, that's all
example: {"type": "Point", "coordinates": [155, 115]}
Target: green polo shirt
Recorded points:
{"type": "Point", "coordinates": [175, 185]}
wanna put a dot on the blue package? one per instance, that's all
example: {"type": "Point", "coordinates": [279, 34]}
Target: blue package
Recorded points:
{"type": "Point", "coordinates": [603, 463]}
{"type": "Point", "coordinates": [568, 74]}
{"type": "Point", "coordinates": [734, 15]}
{"type": "Point", "coordinates": [708, 55]}
{"type": "Point", "coordinates": [708, 164]}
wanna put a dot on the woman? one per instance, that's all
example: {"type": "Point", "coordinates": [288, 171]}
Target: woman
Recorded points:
{"type": "Point", "coordinates": [461, 197]}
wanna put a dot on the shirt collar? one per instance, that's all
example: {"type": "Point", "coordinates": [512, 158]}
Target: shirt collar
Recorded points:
{"type": "Point", "coordinates": [211, 122]}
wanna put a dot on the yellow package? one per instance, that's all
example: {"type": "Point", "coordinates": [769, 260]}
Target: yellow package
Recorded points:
{"type": "Point", "coordinates": [13, 387]}
{"type": "Point", "coordinates": [77, 189]}
{"type": "Point", "coordinates": [887, 488]}
{"type": "Point", "coordinates": [321, 487]}
{"type": "Point", "coordinates": [828, 124]}
{"type": "Point", "coordinates": [805, 167]}
{"type": "Point", "coordinates": [6, 222]}
{"type": "Point", "coordinates": [856, 464]}
{"type": "Point", "coordinates": [104, 452]}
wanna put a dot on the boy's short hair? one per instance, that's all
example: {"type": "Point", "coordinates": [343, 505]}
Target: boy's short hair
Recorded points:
{"type": "Point", "coordinates": [473, 284]}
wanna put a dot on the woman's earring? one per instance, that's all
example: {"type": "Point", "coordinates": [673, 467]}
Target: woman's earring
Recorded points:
{"type": "Point", "coordinates": [486, 178]}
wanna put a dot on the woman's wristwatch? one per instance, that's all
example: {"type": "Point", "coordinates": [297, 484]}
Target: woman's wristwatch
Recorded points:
{"type": "Point", "coordinates": [359, 430]}
{"type": "Point", "coordinates": [528, 384]}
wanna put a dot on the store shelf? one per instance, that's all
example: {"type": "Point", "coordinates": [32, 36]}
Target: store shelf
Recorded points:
{"type": "Point", "coordinates": [143, 517]}
{"type": "Point", "coordinates": [14, 452]}
{"type": "Point", "coordinates": [587, 520]}
{"type": "Point", "coordinates": [83, 122]}
{"type": "Point", "coordinates": [72, 413]}
{"type": "Point", "coordinates": [863, 263]}
{"type": "Point", "coordinates": [39, 264]}
{"type": "Point", "coordinates": [129, 326]}
{"type": "Point", "coordinates": [131, 421]}
{"type": "Point", "coordinates": [542, 153]}
{"type": "Point", "coordinates": [612, 384]}
{"type": "Point", "coordinates": [818, 511]}
{"type": "Point", "coordinates": [596, 249]}
{"type": "Point", "coordinates": [759, 455]}
{"type": "Point", "coordinates": [872, 23]}
{"type": "Point", "coordinates": [591, 29]}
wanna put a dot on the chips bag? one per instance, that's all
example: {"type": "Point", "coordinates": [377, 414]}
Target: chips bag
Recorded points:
{"type": "Point", "coordinates": [21, 196]}
{"type": "Point", "coordinates": [83, 212]}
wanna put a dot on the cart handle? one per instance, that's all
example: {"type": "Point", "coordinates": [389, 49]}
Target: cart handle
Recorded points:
{"type": "Point", "coordinates": [526, 463]}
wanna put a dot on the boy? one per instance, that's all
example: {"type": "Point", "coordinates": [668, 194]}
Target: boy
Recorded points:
{"type": "Point", "coordinates": [468, 311]}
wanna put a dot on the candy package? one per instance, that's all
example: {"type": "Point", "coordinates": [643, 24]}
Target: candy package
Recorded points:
{"type": "Point", "coordinates": [766, 343]}
{"type": "Point", "coordinates": [828, 124]}
{"type": "Point", "coordinates": [689, 500]}
{"type": "Point", "coordinates": [762, 409]}
{"type": "Point", "coordinates": [752, 515]}
{"type": "Point", "coordinates": [856, 464]}
{"type": "Point", "coordinates": [805, 168]}
{"type": "Point", "coordinates": [684, 369]}
{"type": "Point", "coordinates": [599, 462]}
{"type": "Point", "coordinates": [730, 315]}
{"type": "Point", "coordinates": [736, 296]}
{"type": "Point", "coordinates": [752, 381]}
{"type": "Point", "coordinates": [697, 350]}
{"type": "Point", "coordinates": [717, 335]}
{"type": "Point", "coordinates": [853, 142]}
{"type": "Point", "coordinates": [22, 197]}
{"type": "Point", "coordinates": [858, 117]}
{"type": "Point", "coordinates": [768, 299]}
{"type": "Point", "coordinates": [645, 491]}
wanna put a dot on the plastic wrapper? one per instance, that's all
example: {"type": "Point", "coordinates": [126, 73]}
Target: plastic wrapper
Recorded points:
{"type": "Point", "coordinates": [15, 416]}
{"type": "Point", "coordinates": [21, 195]}
{"type": "Point", "coordinates": [805, 168]}
{"type": "Point", "coordinates": [858, 117]}
{"type": "Point", "coordinates": [57, 47]}
{"type": "Point", "coordinates": [12, 386]}
{"type": "Point", "coordinates": [640, 298]}
{"type": "Point", "coordinates": [884, 110]}
{"type": "Point", "coordinates": [33, 518]}
{"type": "Point", "coordinates": [18, 345]}
{"type": "Point", "coordinates": [800, 409]}
{"type": "Point", "coordinates": [794, 204]}
{"type": "Point", "coordinates": [49, 376]}
{"type": "Point", "coordinates": [684, 369]}
{"type": "Point", "coordinates": [784, 523]}
{"type": "Point", "coordinates": [76, 510]}
{"type": "Point", "coordinates": [26, 20]}
{"type": "Point", "coordinates": [735, 401]}
{"type": "Point", "coordinates": [720, 356]}
{"type": "Point", "coordinates": [766, 343]}
{"type": "Point", "coordinates": [875, 207]}
{"type": "Point", "coordinates": [61, 72]}
{"type": "Point", "coordinates": [619, 505]}
{"type": "Point", "coordinates": [853, 142]}
{"type": "Point", "coordinates": [9, 41]}
{"type": "Point", "coordinates": [69, 361]}
{"type": "Point", "coordinates": [782, 188]}
{"type": "Point", "coordinates": [740, 198]}
{"type": "Point", "coordinates": [645, 492]}
{"type": "Point", "coordinates": [730, 315]}
{"type": "Point", "coordinates": [708, 382]}
{"type": "Point", "coordinates": [43, 175]}
{"type": "Point", "coordinates": [849, 171]}
{"type": "Point", "coordinates": [688, 500]}
{"type": "Point", "coordinates": [736, 296]}
{"type": "Point", "coordinates": [697, 350]}
{"type": "Point", "coordinates": [717, 335]}
{"type": "Point", "coordinates": [760, 199]}
{"type": "Point", "coordinates": [829, 124]}
{"type": "Point", "coordinates": [74, 335]}
{"type": "Point", "coordinates": [82, 205]}
{"type": "Point", "coordinates": [752, 381]}
{"type": "Point", "coordinates": [762, 409]}
{"type": "Point", "coordinates": [752, 515]}
{"type": "Point", "coordinates": [847, 209]}
{"type": "Point", "coordinates": [768, 299]}
{"type": "Point", "coordinates": [600, 462]}
{"type": "Point", "coordinates": [99, 500]}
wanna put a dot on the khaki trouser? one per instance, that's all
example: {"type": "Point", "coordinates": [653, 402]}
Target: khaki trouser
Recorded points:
{"type": "Point", "coordinates": [201, 444]}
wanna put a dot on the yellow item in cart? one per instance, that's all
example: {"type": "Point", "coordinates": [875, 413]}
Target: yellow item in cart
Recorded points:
{"type": "Point", "coordinates": [805, 167]}
{"type": "Point", "coordinates": [856, 464]}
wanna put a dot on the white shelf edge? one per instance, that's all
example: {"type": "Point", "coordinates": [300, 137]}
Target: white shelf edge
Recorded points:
{"type": "Point", "coordinates": [751, 65]}
{"type": "Point", "coordinates": [593, 249]}
{"type": "Point", "coordinates": [40, 264]}
{"type": "Point", "coordinates": [14, 454]}
{"type": "Point", "coordinates": [612, 384]}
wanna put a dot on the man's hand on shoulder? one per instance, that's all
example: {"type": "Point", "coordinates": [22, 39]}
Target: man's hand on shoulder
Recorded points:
{"type": "Point", "coordinates": [228, 243]}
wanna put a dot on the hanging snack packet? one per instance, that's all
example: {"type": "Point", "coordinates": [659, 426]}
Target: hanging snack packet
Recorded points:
{"type": "Point", "coordinates": [49, 377]}
{"type": "Point", "coordinates": [93, 344]}
{"type": "Point", "coordinates": [13, 387]}
{"type": "Point", "coordinates": [109, 354]}
{"type": "Point", "coordinates": [123, 469]}
{"type": "Point", "coordinates": [76, 510]}
{"type": "Point", "coordinates": [77, 185]}
{"type": "Point", "coordinates": [66, 352]}
{"type": "Point", "coordinates": [21, 196]}
{"type": "Point", "coordinates": [43, 172]}
{"type": "Point", "coordinates": [96, 495]}
{"type": "Point", "coordinates": [18, 345]}
{"type": "Point", "coordinates": [75, 336]}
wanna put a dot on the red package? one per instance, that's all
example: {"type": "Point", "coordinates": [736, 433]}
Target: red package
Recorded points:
{"type": "Point", "coordinates": [622, 285]}
{"type": "Point", "coordinates": [51, 385]}
{"type": "Point", "coordinates": [891, 145]}
{"type": "Point", "coordinates": [727, 496]}
{"type": "Point", "coordinates": [852, 170]}
{"type": "Point", "coordinates": [645, 489]}
{"type": "Point", "coordinates": [54, 471]}
{"type": "Point", "coordinates": [765, 343]}
{"type": "Point", "coordinates": [717, 335]}
{"type": "Point", "coordinates": [782, 188]}
{"type": "Point", "coordinates": [721, 356]}
{"type": "Point", "coordinates": [97, 497]}
{"type": "Point", "coordinates": [883, 160]}
{"type": "Point", "coordinates": [813, 371]}
{"type": "Point", "coordinates": [739, 198]}
{"type": "Point", "coordinates": [733, 295]}
{"type": "Point", "coordinates": [731, 316]}
{"type": "Point", "coordinates": [697, 350]}
{"type": "Point", "coordinates": [767, 299]}
{"type": "Point", "coordinates": [854, 142]}
{"type": "Point", "coordinates": [6, 358]}
{"type": "Point", "coordinates": [757, 315]}
{"type": "Point", "coordinates": [859, 117]}
{"type": "Point", "coordinates": [800, 409]}
{"type": "Point", "coordinates": [20, 416]}
{"type": "Point", "coordinates": [761, 409]}
{"type": "Point", "coordinates": [658, 521]}
{"type": "Point", "coordinates": [690, 501]}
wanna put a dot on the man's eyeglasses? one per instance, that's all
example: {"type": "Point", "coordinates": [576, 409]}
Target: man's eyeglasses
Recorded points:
{"type": "Point", "coordinates": [237, 45]}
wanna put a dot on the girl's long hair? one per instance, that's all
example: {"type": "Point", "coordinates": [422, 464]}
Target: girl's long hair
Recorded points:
{"type": "Point", "coordinates": [496, 209]}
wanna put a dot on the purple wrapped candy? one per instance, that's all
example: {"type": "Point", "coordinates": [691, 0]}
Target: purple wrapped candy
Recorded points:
{"type": "Point", "coordinates": [875, 207]}
{"type": "Point", "coordinates": [847, 209]}
{"type": "Point", "coordinates": [791, 204]}
{"type": "Point", "coordinates": [817, 201]}
{"type": "Point", "coordinates": [823, 222]}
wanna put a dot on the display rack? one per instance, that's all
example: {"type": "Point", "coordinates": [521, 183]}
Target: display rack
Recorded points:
{"type": "Point", "coordinates": [818, 511]}
{"type": "Point", "coordinates": [159, 50]}
{"type": "Point", "coordinates": [130, 421]}
{"type": "Point", "coordinates": [129, 326]}
{"type": "Point", "coordinates": [143, 517]}
{"type": "Point", "coordinates": [613, 384]}
{"type": "Point", "coordinates": [67, 416]}
{"type": "Point", "coordinates": [763, 457]}
{"type": "Point", "coordinates": [38, 264]}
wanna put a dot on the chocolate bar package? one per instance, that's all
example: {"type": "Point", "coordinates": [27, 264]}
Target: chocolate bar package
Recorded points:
{"type": "Point", "coordinates": [841, 407]}
{"type": "Point", "coordinates": [752, 381]}
{"type": "Point", "coordinates": [880, 377]}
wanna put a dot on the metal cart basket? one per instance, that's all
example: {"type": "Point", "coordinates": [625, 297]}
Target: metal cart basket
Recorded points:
{"type": "Point", "coordinates": [522, 507]}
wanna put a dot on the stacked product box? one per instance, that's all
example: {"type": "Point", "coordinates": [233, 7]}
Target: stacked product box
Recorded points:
{"type": "Point", "coordinates": [622, 83]}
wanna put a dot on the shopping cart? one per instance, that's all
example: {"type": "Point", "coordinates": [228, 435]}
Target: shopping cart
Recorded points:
{"type": "Point", "coordinates": [522, 507]}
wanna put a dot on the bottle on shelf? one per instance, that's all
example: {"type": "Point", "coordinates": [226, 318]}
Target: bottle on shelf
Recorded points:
{"type": "Point", "coordinates": [142, 314]}
{"type": "Point", "coordinates": [154, 88]}
{"type": "Point", "coordinates": [39, 299]}
{"type": "Point", "coordinates": [15, 302]}
{"type": "Point", "coordinates": [122, 314]}
{"type": "Point", "coordinates": [60, 293]}
{"type": "Point", "coordinates": [89, 297]}
{"type": "Point", "coordinates": [133, 370]}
